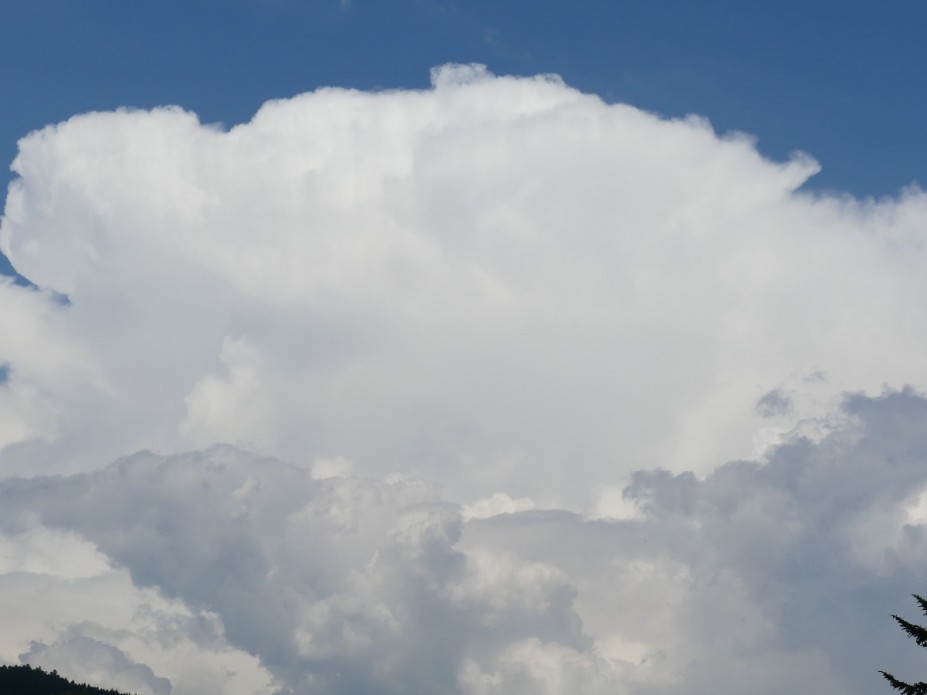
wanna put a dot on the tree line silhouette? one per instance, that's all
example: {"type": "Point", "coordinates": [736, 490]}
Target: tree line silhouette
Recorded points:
{"type": "Point", "coordinates": [27, 680]}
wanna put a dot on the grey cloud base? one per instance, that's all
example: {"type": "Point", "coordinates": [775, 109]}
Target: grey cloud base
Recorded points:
{"type": "Point", "coordinates": [763, 577]}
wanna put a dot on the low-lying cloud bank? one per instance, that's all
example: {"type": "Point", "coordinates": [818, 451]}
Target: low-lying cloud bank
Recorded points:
{"type": "Point", "coordinates": [174, 573]}
{"type": "Point", "coordinates": [494, 343]}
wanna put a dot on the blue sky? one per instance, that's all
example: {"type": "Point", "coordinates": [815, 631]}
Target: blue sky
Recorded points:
{"type": "Point", "coordinates": [840, 80]}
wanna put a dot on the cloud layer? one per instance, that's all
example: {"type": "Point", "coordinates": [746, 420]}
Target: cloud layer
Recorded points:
{"type": "Point", "coordinates": [768, 577]}
{"type": "Point", "coordinates": [566, 316]}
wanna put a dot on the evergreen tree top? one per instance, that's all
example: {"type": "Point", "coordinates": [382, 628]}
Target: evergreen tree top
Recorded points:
{"type": "Point", "coordinates": [916, 631]}
{"type": "Point", "coordinates": [919, 634]}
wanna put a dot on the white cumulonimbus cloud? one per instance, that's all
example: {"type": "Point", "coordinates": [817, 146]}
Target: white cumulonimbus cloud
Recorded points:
{"type": "Point", "coordinates": [566, 314]}
{"type": "Point", "coordinates": [502, 284]}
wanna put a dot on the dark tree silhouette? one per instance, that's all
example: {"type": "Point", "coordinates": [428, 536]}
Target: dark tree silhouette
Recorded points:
{"type": "Point", "coordinates": [26, 680]}
{"type": "Point", "coordinates": [920, 636]}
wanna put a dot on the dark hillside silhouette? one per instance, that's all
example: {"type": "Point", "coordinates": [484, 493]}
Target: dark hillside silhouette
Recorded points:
{"type": "Point", "coordinates": [26, 680]}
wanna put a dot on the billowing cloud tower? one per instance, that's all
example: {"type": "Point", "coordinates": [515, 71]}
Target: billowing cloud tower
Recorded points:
{"type": "Point", "coordinates": [490, 388]}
